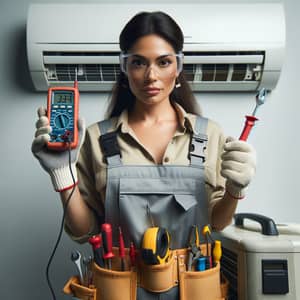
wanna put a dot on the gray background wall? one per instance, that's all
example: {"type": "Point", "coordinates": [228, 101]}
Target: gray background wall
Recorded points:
{"type": "Point", "coordinates": [30, 211]}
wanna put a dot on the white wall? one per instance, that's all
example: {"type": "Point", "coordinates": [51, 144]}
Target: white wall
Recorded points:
{"type": "Point", "coordinates": [30, 212]}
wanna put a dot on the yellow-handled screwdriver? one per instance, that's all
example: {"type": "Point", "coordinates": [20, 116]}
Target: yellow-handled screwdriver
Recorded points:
{"type": "Point", "coordinates": [207, 234]}
{"type": "Point", "coordinates": [217, 251]}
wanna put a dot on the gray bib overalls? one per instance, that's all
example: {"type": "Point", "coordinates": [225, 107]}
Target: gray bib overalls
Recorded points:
{"type": "Point", "coordinates": [169, 196]}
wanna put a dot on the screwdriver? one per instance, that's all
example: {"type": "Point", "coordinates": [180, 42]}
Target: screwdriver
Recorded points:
{"type": "Point", "coordinates": [206, 232]}
{"type": "Point", "coordinates": [121, 249]}
{"type": "Point", "coordinates": [217, 252]}
{"type": "Point", "coordinates": [96, 241]}
{"type": "Point", "coordinates": [250, 120]}
{"type": "Point", "coordinates": [106, 232]}
{"type": "Point", "coordinates": [132, 254]}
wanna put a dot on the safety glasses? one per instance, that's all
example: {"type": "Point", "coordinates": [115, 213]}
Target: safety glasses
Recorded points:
{"type": "Point", "coordinates": [137, 63]}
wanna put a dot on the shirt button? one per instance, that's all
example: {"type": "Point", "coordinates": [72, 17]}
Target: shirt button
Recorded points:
{"type": "Point", "coordinates": [166, 159]}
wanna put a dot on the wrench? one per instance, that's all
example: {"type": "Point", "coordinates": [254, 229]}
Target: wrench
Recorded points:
{"type": "Point", "coordinates": [260, 99]}
{"type": "Point", "coordinates": [76, 259]}
{"type": "Point", "coordinates": [250, 120]}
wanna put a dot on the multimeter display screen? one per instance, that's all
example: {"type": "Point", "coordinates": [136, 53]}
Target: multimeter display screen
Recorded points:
{"type": "Point", "coordinates": [63, 97]}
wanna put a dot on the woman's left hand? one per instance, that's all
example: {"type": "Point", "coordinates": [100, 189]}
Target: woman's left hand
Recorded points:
{"type": "Point", "coordinates": [238, 166]}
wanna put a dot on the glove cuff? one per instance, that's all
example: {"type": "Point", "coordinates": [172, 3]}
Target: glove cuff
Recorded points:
{"type": "Point", "coordinates": [235, 192]}
{"type": "Point", "coordinates": [62, 178]}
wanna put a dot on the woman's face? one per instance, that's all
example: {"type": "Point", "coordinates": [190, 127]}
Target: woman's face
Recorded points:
{"type": "Point", "coordinates": [151, 69]}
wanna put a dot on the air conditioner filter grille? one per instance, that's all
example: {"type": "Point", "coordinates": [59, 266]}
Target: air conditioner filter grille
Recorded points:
{"type": "Point", "coordinates": [198, 73]}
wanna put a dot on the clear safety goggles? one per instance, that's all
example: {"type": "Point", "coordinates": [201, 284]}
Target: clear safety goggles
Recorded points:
{"type": "Point", "coordinates": [137, 62]}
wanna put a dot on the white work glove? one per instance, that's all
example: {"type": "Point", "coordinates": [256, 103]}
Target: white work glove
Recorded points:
{"type": "Point", "coordinates": [56, 163]}
{"type": "Point", "coordinates": [238, 166]}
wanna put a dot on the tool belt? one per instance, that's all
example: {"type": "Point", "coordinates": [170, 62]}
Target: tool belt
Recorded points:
{"type": "Point", "coordinates": [115, 284]}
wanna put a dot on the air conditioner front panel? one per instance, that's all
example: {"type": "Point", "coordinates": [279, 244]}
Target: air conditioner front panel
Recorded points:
{"type": "Point", "coordinates": [225, 23]}
{"type": "Point", "coordinates": [228, 46]}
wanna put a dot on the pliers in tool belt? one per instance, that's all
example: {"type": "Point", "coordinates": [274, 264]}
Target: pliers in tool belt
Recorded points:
{"type": "Point", "coordinates": [194, 246]}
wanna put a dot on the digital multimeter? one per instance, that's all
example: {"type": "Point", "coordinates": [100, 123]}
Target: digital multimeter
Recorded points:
{"type": "Point", "coordinates": [62, 112]}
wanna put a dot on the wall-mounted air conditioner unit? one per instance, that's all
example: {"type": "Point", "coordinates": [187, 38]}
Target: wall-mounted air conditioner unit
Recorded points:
{"type": "Point", "coordinates": [228, 47]}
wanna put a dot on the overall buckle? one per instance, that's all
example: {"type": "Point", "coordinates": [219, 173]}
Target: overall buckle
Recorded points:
{"type": "Point", "coordinates": [198, 146]}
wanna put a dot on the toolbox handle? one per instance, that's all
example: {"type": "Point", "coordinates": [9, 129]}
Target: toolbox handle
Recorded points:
{"type": "Point", "coordinates": [267, 224]}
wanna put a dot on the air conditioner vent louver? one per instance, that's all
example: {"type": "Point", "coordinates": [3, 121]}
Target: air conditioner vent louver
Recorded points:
{"type": "Point", "coordinates": [87, 73]}
{"type": "Point", "coordinates": [79, 53]}
{"type": "Point", "coordinates": [222, 72]}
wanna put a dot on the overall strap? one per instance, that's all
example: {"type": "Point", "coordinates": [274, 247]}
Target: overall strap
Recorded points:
{"type": "Point", "coordinates": [109, 144]}
{"type": "Point", "coordinates": [198, 142]}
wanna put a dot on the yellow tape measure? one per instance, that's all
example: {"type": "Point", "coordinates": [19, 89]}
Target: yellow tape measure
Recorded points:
{"type": "Point", "coordinates": [155, 246]}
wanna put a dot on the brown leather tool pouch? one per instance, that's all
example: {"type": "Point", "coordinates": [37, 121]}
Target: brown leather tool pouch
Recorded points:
{"type": "Point", "coordinates": [200, 285]}
{"type": "Point", "coordinates": [159, 278]}
{"type": "Point", "coordinates": [204, 285]}
{"type": "Point", "coordinates": [73, 287]}
{"type": "Point", "coordinates": [114, 285]}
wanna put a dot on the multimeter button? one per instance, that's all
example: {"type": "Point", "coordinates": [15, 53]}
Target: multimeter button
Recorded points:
{"type": "Point", "coordinates": [55, 106]}
{"type": "Point", "coordinates": [62, 106]}
{"type": "Point", "coordinates": [69, 106]}
{"type": "Point", "coordinates": [70, 110]}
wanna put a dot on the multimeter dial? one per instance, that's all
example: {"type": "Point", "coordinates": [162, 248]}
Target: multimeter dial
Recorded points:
{"type": "Point", "coordinates": [62, 121]}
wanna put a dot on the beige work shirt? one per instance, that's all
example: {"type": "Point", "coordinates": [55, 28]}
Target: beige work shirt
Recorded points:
{"type": "Point", "coordinates": [92, 167]}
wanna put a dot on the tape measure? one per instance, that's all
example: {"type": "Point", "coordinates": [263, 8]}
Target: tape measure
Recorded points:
{"type": "Point", "coordinates": [155, 246]}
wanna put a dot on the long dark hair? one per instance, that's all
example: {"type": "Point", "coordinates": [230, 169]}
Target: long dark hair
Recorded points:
{"type": "Point", "coordinates": [142, 24]}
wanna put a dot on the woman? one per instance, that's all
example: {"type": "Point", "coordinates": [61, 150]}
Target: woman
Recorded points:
{"type": "Point", "coordinates": [158, 163]}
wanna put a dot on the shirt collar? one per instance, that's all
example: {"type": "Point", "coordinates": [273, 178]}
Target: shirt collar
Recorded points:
{"type": "Point", "coordinates": [123, 122]}
{"type": "Point", "coordinates": [185, 119]}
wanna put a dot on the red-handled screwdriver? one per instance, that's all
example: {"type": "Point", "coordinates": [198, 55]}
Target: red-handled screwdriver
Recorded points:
{"type": "Point", "coordinates": [132, 254]}
{"type": "Point", "coordinates": [121, 249]}
{"type": "Point", "coordinates": [250, 120]}
{"type": "Point", "coordinates": [96, 241]}
{"type": "Point", "coordinates": [106, 232]}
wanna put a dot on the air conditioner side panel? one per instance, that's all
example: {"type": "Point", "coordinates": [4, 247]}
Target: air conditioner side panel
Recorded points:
{"type": "Point", "coordinates": [274, 56]}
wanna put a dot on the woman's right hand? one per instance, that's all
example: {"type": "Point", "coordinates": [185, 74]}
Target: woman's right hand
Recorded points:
{"type": "Point", "coordinates": [56, 163]}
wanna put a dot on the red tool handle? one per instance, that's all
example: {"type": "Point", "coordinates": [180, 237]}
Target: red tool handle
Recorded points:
{"type": "Point", "coordinates": [121, 244]}
{"type": "Point", "coordinates": [249, 123]}
{"type": "Point", "coordinates": [106, 232]}
{"type": "Point", "coordinates": [132, 254]}
{"type": "Point", "coordinates": [95, 241]}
